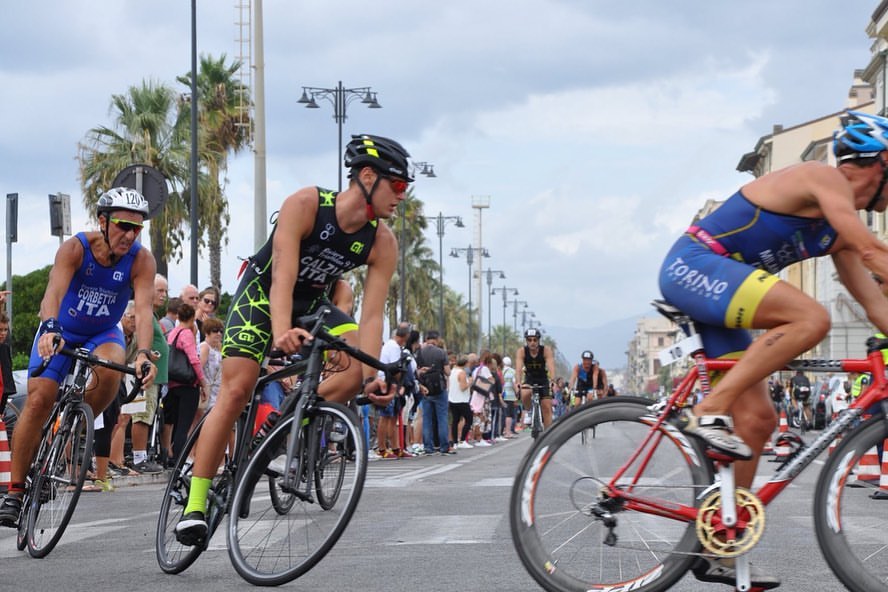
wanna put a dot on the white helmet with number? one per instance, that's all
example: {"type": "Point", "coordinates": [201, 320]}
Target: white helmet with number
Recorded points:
{"type": "Point", "coordinates": [122, 198]}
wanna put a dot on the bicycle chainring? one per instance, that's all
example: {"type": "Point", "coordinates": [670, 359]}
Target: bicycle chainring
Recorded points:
{"type": "Point", "coordinates": [722, 540]}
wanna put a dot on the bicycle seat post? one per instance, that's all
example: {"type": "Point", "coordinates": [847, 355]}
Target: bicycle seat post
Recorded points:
{"type": "Point", "coordinates": [729, 518]}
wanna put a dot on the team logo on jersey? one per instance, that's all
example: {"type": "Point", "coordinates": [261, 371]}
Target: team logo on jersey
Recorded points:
{"type": "Point", "coordinates": [90, 268]}
{"type": "Point", "coordinates": [327, 197]}
{"type": "Point", "coordinates": [328, 232]}
{"type": "Point", "coordinates": [357, 247]}
{"type": "Point", "coordinates": [117, 276]}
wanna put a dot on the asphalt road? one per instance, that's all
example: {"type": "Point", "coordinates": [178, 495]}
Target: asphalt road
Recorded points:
{"type": "Point", "coordinates": [431, 523]}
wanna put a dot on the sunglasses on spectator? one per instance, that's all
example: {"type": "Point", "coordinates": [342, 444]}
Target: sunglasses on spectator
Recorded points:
{"type": "Point", "coordinates": [209, 301]}
{"type": "Point", "coordinates": [399, 186]}
{"type": "Point", "coordinates": [127, 225]}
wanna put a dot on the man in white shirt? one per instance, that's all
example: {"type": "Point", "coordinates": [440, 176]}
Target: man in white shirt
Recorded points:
{"type": "Point", "coordinates": [388, 404]}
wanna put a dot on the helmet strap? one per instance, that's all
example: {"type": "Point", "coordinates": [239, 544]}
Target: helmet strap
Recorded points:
{"type": "Point", "coordinates": [878, 194]}
{"type": "Point", "coordinates": [105, 236]}
{"type": "Point", "coordinates": [368, 196]}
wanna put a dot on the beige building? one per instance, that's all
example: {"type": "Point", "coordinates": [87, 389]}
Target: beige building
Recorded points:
{"type": "Point", "coordinates": [652, 335]}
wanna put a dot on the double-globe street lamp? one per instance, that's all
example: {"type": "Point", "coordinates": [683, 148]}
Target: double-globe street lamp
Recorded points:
{"type": "Point", "coordinates": [339, 97]}
{"type": "Point", "coordinates": [470, 257]}
{"type": "Point", "coordinates": [516, 302]}
{"type": "Point", "coordinates": [423, 168]}
{"type": "Point", "coordinates": [505, 292]}
{"type": "Point", "coordinates": [489, 273]}
{"type": "Point", "coordinates": [441, 222]}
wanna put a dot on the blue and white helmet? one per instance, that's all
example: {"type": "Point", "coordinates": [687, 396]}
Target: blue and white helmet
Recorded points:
{"type": "Point", "coordinates": [862, 136]}
{"type": "Point", "coordinates": [122, 198]}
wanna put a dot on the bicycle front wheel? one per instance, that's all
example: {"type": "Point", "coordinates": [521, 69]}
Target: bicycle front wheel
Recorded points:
{"type": "Point", "coordinates": [559, 511]}
{"type": "Point", "coordinates": [270, 542]}
{"type": "Point", "coordinates": [59, 480]}
{"type": "Point", "coordinates": [849, 511]}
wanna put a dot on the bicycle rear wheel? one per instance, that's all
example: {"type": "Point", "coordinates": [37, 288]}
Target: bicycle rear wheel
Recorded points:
{"type": "Point", "coordinates": [558, 489]}
{"type": "Point", "coordinates": [59, 480]}
{"type": "Point", "coordinates": [172, 556]}
{"type": "Point", "coordinates": [849, 513]}
{"type": "Point", "coordinates": [536, 421]}
{"type": "Point", "coordinates": [270, 543]}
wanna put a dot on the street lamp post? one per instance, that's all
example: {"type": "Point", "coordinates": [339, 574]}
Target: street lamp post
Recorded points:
{"type": "Point", "coordinates": [526, 315]}
{"type": "Point", "coordinates": [427, 169]}
{"type": "Point", "coordinates": [505, 292]}
{"type": "Point", "coordinates": [516, 302]}
{"type": "Point", "coordinates": [339, 97]}
{"type": "Point", "coordinates": [469, 253]}
{"type": "Point", "coordinates": [489, 273]}
{"type": "Point", "coordinates": [442, 221]}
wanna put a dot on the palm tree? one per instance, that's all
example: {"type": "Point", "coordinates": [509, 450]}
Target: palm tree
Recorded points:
{"type": "Point", "coordinates": [145, 131]}
{"type": "Point", "coordinates": [221, 130]}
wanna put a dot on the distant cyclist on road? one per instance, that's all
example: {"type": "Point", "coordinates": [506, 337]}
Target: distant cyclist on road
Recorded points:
{"type": "Point", "coordinates": [722, 272]}
{"type": "Point", "coordinates": [535, 365]}
{"type": "Point", "coordinates": [587, 379]}
{"type": "Point", "coordinates": [801, 394]}
{"type": "Point", "coordinates": [93, 277]}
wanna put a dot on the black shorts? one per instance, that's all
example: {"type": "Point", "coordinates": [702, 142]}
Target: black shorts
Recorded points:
{"type": "Point", "coordinates": [248, 326]}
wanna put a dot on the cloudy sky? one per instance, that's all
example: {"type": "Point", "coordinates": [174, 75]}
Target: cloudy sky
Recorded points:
{"type": "Point", "coordinates": [597, 128]}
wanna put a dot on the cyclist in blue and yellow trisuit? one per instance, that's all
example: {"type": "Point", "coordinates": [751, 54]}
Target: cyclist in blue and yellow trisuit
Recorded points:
{"type": "Point", "coordinates": [318, 235]}
{"type": "Point", "coordinates": [721, 272]}
{"type": "Point", "coordinates": [93, 276]}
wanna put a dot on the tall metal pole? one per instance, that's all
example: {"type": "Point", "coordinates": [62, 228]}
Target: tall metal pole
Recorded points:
{"type": "Point", "coordinates": [489, 325]}
{"type": "Point", "coordinates": [441, 274]}
{"type": "Point", "coordinates": [260, 212]}
{"type": "Point", "coordinates": [504, 322]}
{"type": "Point", "coordinates": [194, 99]}
{"type": "Point", "coordinates": [469, 261]}
{"type": "Point", "coordinates": [339, 113]}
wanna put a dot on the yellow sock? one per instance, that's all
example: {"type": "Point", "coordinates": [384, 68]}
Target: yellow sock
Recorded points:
{"type": "Point", "coordinates": [197, 495]}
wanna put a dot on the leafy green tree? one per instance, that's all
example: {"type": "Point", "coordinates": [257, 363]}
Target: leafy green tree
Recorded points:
{"type": "Point", "coordinates": [221, 131]}
{"type": "Point", "coordinates": [146, 130]}
{"type": "Point", "coordinates": [27, 293]}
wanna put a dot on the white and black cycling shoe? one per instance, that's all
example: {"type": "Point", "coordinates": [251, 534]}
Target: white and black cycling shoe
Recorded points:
{"type": "Point", "coordinates": [718, 433]}
{"type": "Point", "coordinates": [721, 571]}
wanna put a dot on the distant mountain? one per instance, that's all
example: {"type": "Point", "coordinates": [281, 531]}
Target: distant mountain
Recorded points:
{"type": "Point", "coordinates": [609, 342]}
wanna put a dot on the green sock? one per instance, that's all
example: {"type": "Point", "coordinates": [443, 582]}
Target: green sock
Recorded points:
{"type": "Point", "coordinates": [197, 495]}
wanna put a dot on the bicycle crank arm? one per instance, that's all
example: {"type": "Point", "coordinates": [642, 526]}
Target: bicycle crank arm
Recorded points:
{"type": "Point", "coordinates": [727, 488]}
{"type": "Point", "coordinates": [741, 568]}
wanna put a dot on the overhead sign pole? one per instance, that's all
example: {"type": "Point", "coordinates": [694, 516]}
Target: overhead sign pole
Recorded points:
{"type": "Point", "coordinates": [11, 237]}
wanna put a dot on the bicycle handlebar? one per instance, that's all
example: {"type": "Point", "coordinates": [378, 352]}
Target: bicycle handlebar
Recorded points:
{"type": "Point", "coordinates": [93, 360]}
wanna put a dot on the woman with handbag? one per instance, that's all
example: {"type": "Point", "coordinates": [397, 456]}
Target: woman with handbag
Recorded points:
{"type": "Point", "coordinates": [187, 384]}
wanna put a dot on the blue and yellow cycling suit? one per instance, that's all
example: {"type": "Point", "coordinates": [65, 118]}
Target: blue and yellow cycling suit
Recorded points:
{"type": "Point", "coordinates": [324, 255]}
{"type": "Point", "coordinates": [721, 268]}
{"type": "Point", "coordinates": [91, 308]}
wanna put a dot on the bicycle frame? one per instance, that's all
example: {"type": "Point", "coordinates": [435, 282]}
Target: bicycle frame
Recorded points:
{"type": "Point", "coordinates": [875, 393]}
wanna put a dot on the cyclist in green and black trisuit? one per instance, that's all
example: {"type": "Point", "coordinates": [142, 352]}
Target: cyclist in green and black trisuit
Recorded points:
{"type": "Point", "coordinates": [318, 236]}
{"type": "Point", "coordinates": [535, 365]}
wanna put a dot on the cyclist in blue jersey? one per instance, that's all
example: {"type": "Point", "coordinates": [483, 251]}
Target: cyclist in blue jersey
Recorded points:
{"type": "Point", "coordinates": [93, 277]}
{"type": "Point", "coordinates": [722, 272]}
{"type": "Point", "coordinates": [318, 235]}
{"type": "Point", "coordinates": [587, 379]}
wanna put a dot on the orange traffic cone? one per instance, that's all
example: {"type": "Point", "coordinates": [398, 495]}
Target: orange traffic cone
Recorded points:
{"type": "Point", "coordinates": [882, 492]}
{"type": "Point", "coordinates": [5, 458]}
{"type": "Point", "coordinates": [868, 472]}
{"type": "Point", "coordinates": [782, 450]}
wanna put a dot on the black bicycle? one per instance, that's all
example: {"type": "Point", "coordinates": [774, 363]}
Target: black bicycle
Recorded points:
{"type": "Point", "coordinates": [174, 557]}
{"type": "Point", "coordinates": [57, 473]}
{"type": "Point", "coordinates": [294, 496]}
{"type": "Point", "coordinates": [536, 412]}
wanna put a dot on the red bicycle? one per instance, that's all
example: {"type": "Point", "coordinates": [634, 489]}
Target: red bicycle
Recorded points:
{"type": "Point", "coordinates": [636, 507]}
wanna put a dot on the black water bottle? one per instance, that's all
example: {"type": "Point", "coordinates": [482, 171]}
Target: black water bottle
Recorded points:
{"type": "Point", "coordinates": [266, 427]}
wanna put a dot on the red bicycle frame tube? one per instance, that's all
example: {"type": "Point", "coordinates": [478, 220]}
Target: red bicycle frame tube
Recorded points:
{"type": "Point", "coordinates": [875, 392]}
